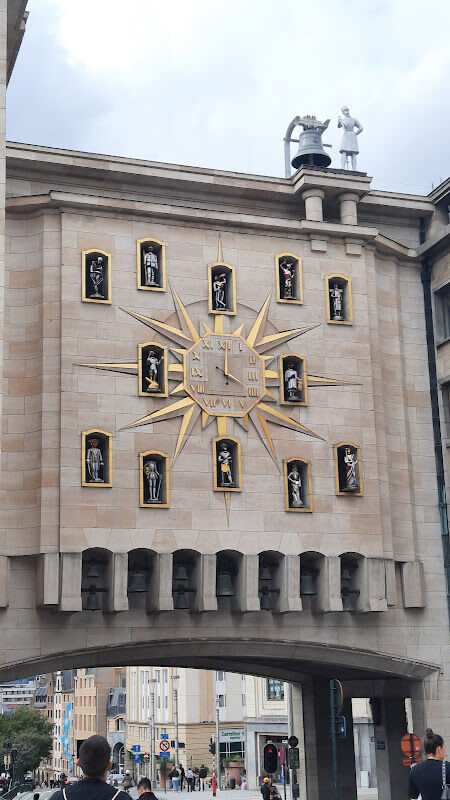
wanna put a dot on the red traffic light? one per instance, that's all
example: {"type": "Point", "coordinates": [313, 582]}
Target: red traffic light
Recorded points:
{"type": "Point", "coordinates": [270, 759]}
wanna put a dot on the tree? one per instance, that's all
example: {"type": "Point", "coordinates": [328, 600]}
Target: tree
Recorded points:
{"type": "Point", "coordinates": [30, 734]}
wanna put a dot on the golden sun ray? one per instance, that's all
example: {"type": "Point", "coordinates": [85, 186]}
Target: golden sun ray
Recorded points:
{"type": "Point", "coordinates": [286, 422]}
{"type": "Point", "coordinates": [318, 381]}
{"type": "Point", "coordinates": [272, 373]}
{"type": "Point", "coordinates": [238, 331]}
{"type": "Point", "coordinates": [242, 421]}
{"type": "Point", "coordinates": [206, 328]}
{"type": "Point", "coordinates": [160, 327]}
{"type": "Point", "coordinates": [218, 323]}
{"type": "Point", "coordinates": [179, 388]}
{"type": "Point", "coordinates": [206, 418]}
{"type": "Point", "coordinates": [189, 419]}
{"type": "Point", "coordinates": [222, 426]}
{"type": "Point", "coordinates": [176, 368]}
{"type": "Point", "coordinates": [179, 352]}
{"type": "Point", "coordinates": [259, 322]}
{"type": "Point", "coordinates": [219, 251]}
{"type": "Point", "coordinates": [184, 314]}
{"type": "Point", "coordinates": [173, 410]}
{"type": "Point", "coordinates": [267, 342]}
{"type": "Point", "coordinates": [127, 369]}
{"type": "Point", "coordinates": [262, 429]}
{"type": "Point", "coordinates": [226, 497]}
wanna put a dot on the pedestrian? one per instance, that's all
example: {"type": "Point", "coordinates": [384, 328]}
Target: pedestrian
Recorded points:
{"type": "Point", "coordinates": [175, 778]}
{"type": "Point", "coordinates": [265, 789]}
{"type": "Point", "coordinates": [244, 783]}
{"type": "Point", "coordinates": [95, 763]}
{"type": "Point", "coordinates": [190, 780]}
{"type": "Point", "coordinates": [36, 796]}
{"type": "Point", "coordinates": [144, 788]}
{"type": "Point", "coordinates": [127, 783]}
{"type": "Point", "coordinates": [62, 779]}
{"type": "Point", "coordinates": [196, 779]}
{"type": "Point", "coordinates": [430, 777]}
{"type": "Point", "coordinates": [182, 775]}
{"type": "Point", "coordinates": [202, 773]}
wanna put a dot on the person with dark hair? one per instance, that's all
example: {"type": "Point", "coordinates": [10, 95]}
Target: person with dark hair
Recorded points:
{"type": "Point", "coordinates": [95, 763]}
{"type": "Point", "coordinates": [430, 777]}
{"type": "Point", "coordinates": [144, 788]}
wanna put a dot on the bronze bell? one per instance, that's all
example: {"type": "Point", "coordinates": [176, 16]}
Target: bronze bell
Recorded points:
{"type": "Point", "coordinates": [180, 573]}
{"type": "Point", "coordinates": [224, 586]}
{"type": "Point", "coordinates": [264, 599]}
{"type": "Point", "coordinates": [311, 151]}
{"type": "Point", "coordinates": [348, 599]}
{"type": "Point", "coordinates": [137, 582]}
{"type": "Point", "coordinates": [346, 575]}
{"type": "Point", "coordinates": [92, 570]}
{"type": "Point", "coordinates": [307, 584]}
{"type": "Point", "coordinates": [181, 599]}
{"type": "Point", "coordinates": [264, 573]}
{"type": "Point", "coordinates": [92, 603]}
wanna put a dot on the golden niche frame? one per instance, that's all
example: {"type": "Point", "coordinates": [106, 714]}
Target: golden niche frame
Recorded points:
{"type": "Point", "coordinates": [306, 484]}
{"type": "Point", "coordinates": [162, 463]}
{"type": "Point", "coordinates": [339, 466]}
{"type": "Point", "coordinates": [235, 468]}
{"type": "Point", "coordinates": [105, 439]}
{"type": "Point", "coordinates": [303, 378]}
{"type": "Point", "coordinates": [215, 271]}
{"type": "Point", "coordinates": [143, 352]}
{"type": "Point", "coordinates": [160, 250]}
{"type": "Point", "coordinates": [347, 302]}
{"type": "Point", "coordinates": [297, 280]}
{"type": "Point", "coordinates": [87, 257]}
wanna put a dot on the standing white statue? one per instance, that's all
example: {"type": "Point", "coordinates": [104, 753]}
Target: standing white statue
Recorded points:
{"type": "Point", "coordinates": [349, 143]}
{"type": "Point", "coordinates": [219, 284]}
{"type": "Point", "coordinates": [153, 478]}
{"type": "Point", "coordinates": [153, 378]}
{"type": "Point", "coordinates": [96, 276]}
{"type": "Point", "coordinates": [350, 461]}
{"type": "Point", "coordinates": [336, 293]}
{"type": "Point", "coordinates": [225, 461]}
{"type": "Point", "coordinates": [295, 482]}
{"type": "Point", "coordinates": [291, 381]}
{"type": "Point", "coordinates": [94, 460]}
{"type": "Point", "coordinates": [151, 267]}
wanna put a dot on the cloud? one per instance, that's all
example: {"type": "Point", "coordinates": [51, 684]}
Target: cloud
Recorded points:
{"type": "Point", "coordinates": [215, 84]}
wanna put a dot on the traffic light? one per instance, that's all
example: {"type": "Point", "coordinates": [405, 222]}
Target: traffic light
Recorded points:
{"type": "Point", "coordinates": [212, 746]}
{"type": "Point", "coordinates": [270, 759]}
{"type": "Point", "coordinates": [146, 756]}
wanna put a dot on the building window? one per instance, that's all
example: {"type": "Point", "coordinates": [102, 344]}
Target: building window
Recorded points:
{"type": "Point", "coordinates": [222, 700]}
{"type": "Point", "coordinates": [442, 304]}
{"type": "Point", "coordinates": [446, 407]}
{"type": "Point", "coordinates": [220, 675]}
{"type": "Point", "coordinates": [275, 689]}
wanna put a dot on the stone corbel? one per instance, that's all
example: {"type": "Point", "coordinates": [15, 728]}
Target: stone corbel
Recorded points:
{"type": "Point", "coordinates": [370, 579]}
{"type": "Point", "coordinates": [160, 596]}
{"type": "Point", "coordinates": [413, 584]}
{"type": "Point", "coordinates": [289, 584]}
{"type": "Point", "coordinates": [117, 583]}
{"type": "Point", "coordinates": [247, 598]}
{"type": "Point", "coordinates": [70, 586]}
{"type": "Point", "coordinates": [205, 582]}
{"type": "Point", "coordinates": [47, 584]}
{"type": "Point", "coordinates": [391, 583]}
{"type": "Point", "coordinates": [4, 581]}
{"type": "Point", "coordinates": [328, 586]}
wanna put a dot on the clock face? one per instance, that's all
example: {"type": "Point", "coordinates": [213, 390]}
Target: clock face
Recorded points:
{"type": "Point", "coordinates": [224, 375]}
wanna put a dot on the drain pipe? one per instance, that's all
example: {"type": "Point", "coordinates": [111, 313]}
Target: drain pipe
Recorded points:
{"type": "Point", "coordinates": [437, 436]}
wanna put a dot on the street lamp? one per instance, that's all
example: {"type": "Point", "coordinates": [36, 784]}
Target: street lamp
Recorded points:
{"type": "Point", "coordinates": [175, 679]}
{"type": "Point", "coordinates": [152, 682]}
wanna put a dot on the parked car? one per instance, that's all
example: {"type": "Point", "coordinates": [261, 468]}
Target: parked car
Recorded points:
{"type": "Point", "coordinates": [115, 779]}
{"type": "Point", "coordinates": [71, 779]}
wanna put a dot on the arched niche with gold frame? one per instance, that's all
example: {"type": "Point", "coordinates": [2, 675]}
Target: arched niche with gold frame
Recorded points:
{"type": "Point", "coordinates": [338, 289]}
{"type": "Point", "coordinates": [221, 288]}
{"type": "Point", "coordinates": [96, 270]}
{"type": "Point", "coordinates": [227, 464]}
{"type": "Point", "coordinates": [152, 370]}
{"type": "Point", "coordinates": [293, 379]}
{"type": "Point", "coordinates": [289, 278]}
{"type": "Point", "coordinates": [151, 275]}
{"type": "Point", "coordinates": [96, 459]}
{"type": "Point", "coordinates": [347, 460]}
{"type": "Point", "coordinates": [154, 479]}
{"type": "Point", "coordinates": [297, 485]}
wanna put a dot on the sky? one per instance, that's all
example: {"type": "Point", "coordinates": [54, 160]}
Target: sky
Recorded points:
{"type": "Point", "coordinates": [215, 83]}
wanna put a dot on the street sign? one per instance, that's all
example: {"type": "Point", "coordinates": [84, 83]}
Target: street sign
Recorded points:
{"type": "Point", "coordinates": [294, 757]}
{"type": "Point", "coordinates": [164, 736]}
{"type": "Point", "coordinates": [411, 748]}
{"type": "Point", "coordinates": [164, 745]}
{"type": "Point", "coordinates": [293, 741]}
{"type": "Point", "coordinates": [164, 755]}
{"type": "Point", "coordinates": [282, 755]}
{"type": "Point", "coordinates": [136, 759]}
{"type": "Point", "coordinates": [337, 696]}
{"type": "Point", "coordinates": [136, 748]}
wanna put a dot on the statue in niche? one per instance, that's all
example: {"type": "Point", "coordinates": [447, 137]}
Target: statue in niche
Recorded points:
{"type": "Point", "coordinates": [336, 296]}
{"type": "Point", "coordinates": [151, 267]}
{"type": "Point", "coordinates": [153, 363]}
{"type": "Point", "coordinates": [351, 463]}
{"type": "Point", "coordinates": [153, 480]}
{"type": "Point", "coordinates": [225, 462]}
{"type": "Point", "coordinates": [94, 461]}
{"type": "Point", "coordinates": [292, 382]}
{"type": "Point", "coordinates": [287, 268]}
{"type": "Point", "coordinates": [96, 276]}
{"type": "Point", "coordinates": [295, 487]}
{"type": "Point", "coordinates": [219, 290]}
{"type": "Point", "coordinates": [349, 144]}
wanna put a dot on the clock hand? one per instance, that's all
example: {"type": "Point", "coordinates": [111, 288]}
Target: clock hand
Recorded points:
{"type": "Point", "coordinates": [229, 375]}
{"type": "Point", "coordinates": [223, 371]}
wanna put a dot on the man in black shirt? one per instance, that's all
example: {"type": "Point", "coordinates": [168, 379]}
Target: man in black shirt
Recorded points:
{"type": "Point", "coordinates": [144, 788]}
{"type": "Point", "coordinates": [95, 763]}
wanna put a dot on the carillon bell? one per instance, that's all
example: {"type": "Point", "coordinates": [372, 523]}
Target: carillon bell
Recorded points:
{"type": "Point", "coordinates": [92, 570]}
{"type": "Point", "coordinates": [181, 600]}
{"type": "Point", "coordinates": [180, 573]}
{"type": "Point", "coordinates": [311, 151]}
{"type": "Point", "coordinates": [265, 601]}
{"type": "Point", "coordinates": [92, 602]}
{"type": "Point", "coordinates": [307, 584]}
{"type": "Point", "coordinates": [137, 582]}
{"type": "Point", "coordinates": [224, 586]}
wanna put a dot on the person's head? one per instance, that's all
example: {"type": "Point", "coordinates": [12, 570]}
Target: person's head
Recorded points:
{"type": "Point", "coordinates": [144, 785]}
{"type": "Point", "coordinates": [434, 746]}
{"type": "Point", "coordinates": [36, 796]}
{"type": "Point", "coordinates": [266, 780]}
{"type": "Point", "coordinates": [345, 111]}
{"type": "Point", "coordinates": [95, 757]}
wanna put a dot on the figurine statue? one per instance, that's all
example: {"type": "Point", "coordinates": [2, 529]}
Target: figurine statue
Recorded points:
{"type": "Point", "coordinates": [153, 363]}
{"type": "Point", "coordinates": [225, 460]}
{"type": "Point", "coordinates": [94, 461]}
{"type": "Point", "coordinates": [96, 276]}
{"type": "Point", "coordinates": [295, 483]}
{"type": "Point", "coordinates": [288, 271]}
{"type": "Point", "coordinates": [219, 284]}
{"type": "Point", "coordinates": [337, 294]}
{"type": "Point", "coordinates": [350, 461]}
{"type": "Point", "coordinates": [291, 381]}
{"type": "Point", "coordinates": [153, 478]}
{"type": "Point", "coordinates": [349, 143]}
{"type": "Point", "coordinates": [151, 267]}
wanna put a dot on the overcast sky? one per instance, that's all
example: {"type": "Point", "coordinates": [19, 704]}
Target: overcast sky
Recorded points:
{"type": "Point", "coordinates": [215, 83]}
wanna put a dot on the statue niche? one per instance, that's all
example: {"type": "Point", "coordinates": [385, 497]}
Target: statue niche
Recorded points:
{"type": "Point", "coordinates": [222, 289]}
{"type": "Point", "coordinates": [96, 276]}
{"type": "Point", "coordinates": [152, 369]}
{"type": "Point", "coordinates": [227, 464]}
{"type": "Point", "coordinates": [151, 265]}
{"type": "Point", "coordinates": [289, 278]}
{"type": "Point", "coordinates": [294, 382]}
{"type": "Point", "coordinates": [297, 485]}
{"type": "Point", "coordinates": [154, 479]}
{"type": "Point", "coordinates": [348, 473]}
{"type": "Point", "coordinates": [96, 458]}
{"type": "Point", "coordinates": [339, 300]}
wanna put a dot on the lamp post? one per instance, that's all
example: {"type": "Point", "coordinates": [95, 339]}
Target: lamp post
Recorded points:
{"type": "Point", "coordinates": [175, 679]}
{"type": "Point", "coordinates": [217, 743]}
{"type": "Point", "coordinates": [152, 682]}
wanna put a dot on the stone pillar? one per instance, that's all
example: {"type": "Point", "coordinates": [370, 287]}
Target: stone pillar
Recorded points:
{"type": "Point", "coordinates": [392, 776]}
{"type": "Point", "coordinates": [47, 589]}
{"type": "Point", "coordinates": [288, 582]}
{"type": "Point", "coordinates": [117, 583]}
{"type": "Point", "coordinates": [70, 594]}
{"type": "Point", "coordinates": [348, 205]}
{"type": "Point", "coordinates": [4, 581]}
{"type": "Point", "coordinates": [160, 596]}
{"type": "Point", "coordinates": [328, 585]}
{"type": "Point", "coordinates": [298, 730]}
{"type": "Point", "coordinates": [313, 204]}
{"type": "Point", "coordinates": [247, 598]}
{"type": "Point", "coordinates": [205, 583]}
